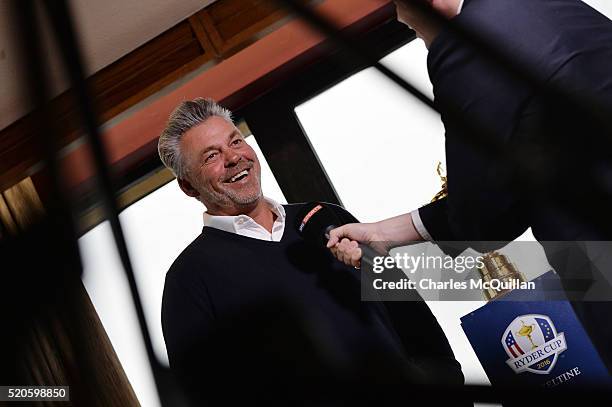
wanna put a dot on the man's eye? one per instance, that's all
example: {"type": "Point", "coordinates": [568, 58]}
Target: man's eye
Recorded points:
{"type": "Point", "coordinates": [237, 141]}
{"type": "Point", "coordinates": [210, 157]}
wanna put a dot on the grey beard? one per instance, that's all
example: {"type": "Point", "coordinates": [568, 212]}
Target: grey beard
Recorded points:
{"type": "Point", "coordinates": [243, 200]}
{"type": "Point", "coordinates": [230, 198]}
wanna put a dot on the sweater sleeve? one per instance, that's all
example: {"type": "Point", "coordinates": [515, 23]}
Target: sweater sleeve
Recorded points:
{"type": "Point", "coordinates": [188, 324]}
{"type": "Point", "coordinates": [344, 215]}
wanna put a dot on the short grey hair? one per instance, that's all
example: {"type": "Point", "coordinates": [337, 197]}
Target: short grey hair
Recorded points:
{"type": "Point", "coordinates": [187, 115]}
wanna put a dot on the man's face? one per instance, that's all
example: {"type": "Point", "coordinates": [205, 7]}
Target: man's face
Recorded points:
{"type": "Point", "coordinates": [222, 169]}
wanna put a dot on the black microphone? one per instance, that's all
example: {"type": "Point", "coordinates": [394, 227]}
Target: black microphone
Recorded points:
{"type": "Point", "coordinates": [316, 219]}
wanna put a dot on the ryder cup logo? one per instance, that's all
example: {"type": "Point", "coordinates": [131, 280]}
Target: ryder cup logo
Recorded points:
{"type": "Point", "coordinates": [532, 343]}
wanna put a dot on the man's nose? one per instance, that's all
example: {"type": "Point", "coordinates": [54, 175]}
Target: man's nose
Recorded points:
{"type": "Point", "coordinates": [231, 158]}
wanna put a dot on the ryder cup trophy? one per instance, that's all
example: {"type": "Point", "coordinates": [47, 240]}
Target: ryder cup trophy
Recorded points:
{"type": "Point", "coordinates": [497, 266]}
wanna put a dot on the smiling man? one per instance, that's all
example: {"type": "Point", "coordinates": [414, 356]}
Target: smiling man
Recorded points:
{"type": "Point", "coordinates": [250, 302]}
{"type": "Point", "coordinates": [215, 165]}
{"type": "Point", "coordinates": [225, 168]}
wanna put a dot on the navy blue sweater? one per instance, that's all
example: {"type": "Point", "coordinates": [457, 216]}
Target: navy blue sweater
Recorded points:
{"type": "Point", "coordinates": [236, 307]}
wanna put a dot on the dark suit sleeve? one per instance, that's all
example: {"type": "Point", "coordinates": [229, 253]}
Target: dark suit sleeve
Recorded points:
{"type": "Point", "coordinates": [497, 210]}
{"type": "Point", "coordinates": [447, 233]}
{"type": "Point", "coordinates": [435, 220]}
{"type": "Point", "coordinates": [477, 97]}
{"type": "Point", "coordinates": [503, 223]}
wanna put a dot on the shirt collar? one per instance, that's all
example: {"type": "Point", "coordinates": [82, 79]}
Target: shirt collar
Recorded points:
{"type": "Point", "coordinates": [232, 224]}
{"type": "Point", "coordinates": [460, 7]}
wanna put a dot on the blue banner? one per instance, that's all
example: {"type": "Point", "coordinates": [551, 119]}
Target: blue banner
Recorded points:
{"type": "Point", "coordinates": [537, 343]}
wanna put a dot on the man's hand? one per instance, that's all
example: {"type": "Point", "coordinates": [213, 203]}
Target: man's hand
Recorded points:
{"type": "Point", "coordinates": [343, 241]}
{"type": "Point", "coordinates": [381, 236]}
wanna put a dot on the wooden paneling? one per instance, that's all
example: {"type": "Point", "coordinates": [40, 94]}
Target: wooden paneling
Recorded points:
{"type": "Point", "coordinates": [279, 56]}
{"type": "Point", "coordinates": [23, 203]}
{"type": "Point", "coordinates": [212, 34]}
{"type": "Point", "coordinates": [6, 219]}
{"type": "Point", "coordinates": [114, 89]}
{"type": "Point", "coordinates": [57, 338]}
{"type": "Point", "coordinates": [231, 23]}
{"type": "Point", "coordinates": [285, 47]}
{"type": "Point", "coordinates": [115, 86]}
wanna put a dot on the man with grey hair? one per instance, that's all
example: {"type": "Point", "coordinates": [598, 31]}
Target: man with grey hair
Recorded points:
{"type": "Point", "coordinates": [251, 302]}
{"type": "Point", "coordinates": [213, 163]}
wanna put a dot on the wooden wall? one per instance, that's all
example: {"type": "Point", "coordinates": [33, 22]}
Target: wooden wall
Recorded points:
{"type": "Point", "coordinates": [207, 37]}
{"type": "Point", "coordinates": [54, 336]}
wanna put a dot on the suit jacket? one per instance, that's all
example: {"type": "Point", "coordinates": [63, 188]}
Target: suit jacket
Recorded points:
{"type": "Point", "coordinates": [561, 53]}
{"type": "Point", "coordinates": [565, 45]}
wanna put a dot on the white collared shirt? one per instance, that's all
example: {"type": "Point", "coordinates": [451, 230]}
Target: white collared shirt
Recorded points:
{"type": "Point", "coordinates": [245, 225]}
{"type": "Point", "coordinates": [460, 7]}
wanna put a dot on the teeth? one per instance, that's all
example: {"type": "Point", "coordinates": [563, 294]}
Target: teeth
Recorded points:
{"type": "Point", "coordinates": [240, 174]}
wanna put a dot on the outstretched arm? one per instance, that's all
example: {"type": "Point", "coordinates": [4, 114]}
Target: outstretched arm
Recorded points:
{"type": "Point", "coordinates": [343, 241]}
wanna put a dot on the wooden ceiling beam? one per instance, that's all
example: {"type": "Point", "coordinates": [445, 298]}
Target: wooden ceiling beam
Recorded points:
{"type": "Point", "coordinates": [234, 81]}
{"type": "Point", "coordinates": [170, 56]}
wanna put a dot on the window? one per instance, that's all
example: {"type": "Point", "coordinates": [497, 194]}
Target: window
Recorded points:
{"type": "Point", "coordinates": [380, 147]}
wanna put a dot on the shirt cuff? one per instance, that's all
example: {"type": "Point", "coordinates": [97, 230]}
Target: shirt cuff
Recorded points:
{"type": "Point", "coordinates": [420, 227]}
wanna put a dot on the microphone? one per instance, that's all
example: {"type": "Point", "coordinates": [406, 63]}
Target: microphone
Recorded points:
{"type": "Point", "coordinates": [316, 219]}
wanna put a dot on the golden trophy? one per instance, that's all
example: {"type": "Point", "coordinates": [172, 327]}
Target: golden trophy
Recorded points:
{"type": "Point", "coordinates": [526, 330]}
{"type": "Point", "coordinates": [444, 191]}
{"type": "Point", "coordinates": [496, 265]}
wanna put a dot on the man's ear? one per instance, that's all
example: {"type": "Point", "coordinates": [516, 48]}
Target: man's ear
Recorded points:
{"type": "Point", "coordinates": [187, 188]}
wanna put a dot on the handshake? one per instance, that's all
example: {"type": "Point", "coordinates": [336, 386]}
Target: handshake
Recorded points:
{"type": "Point", "coordinates": [344, 240]}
